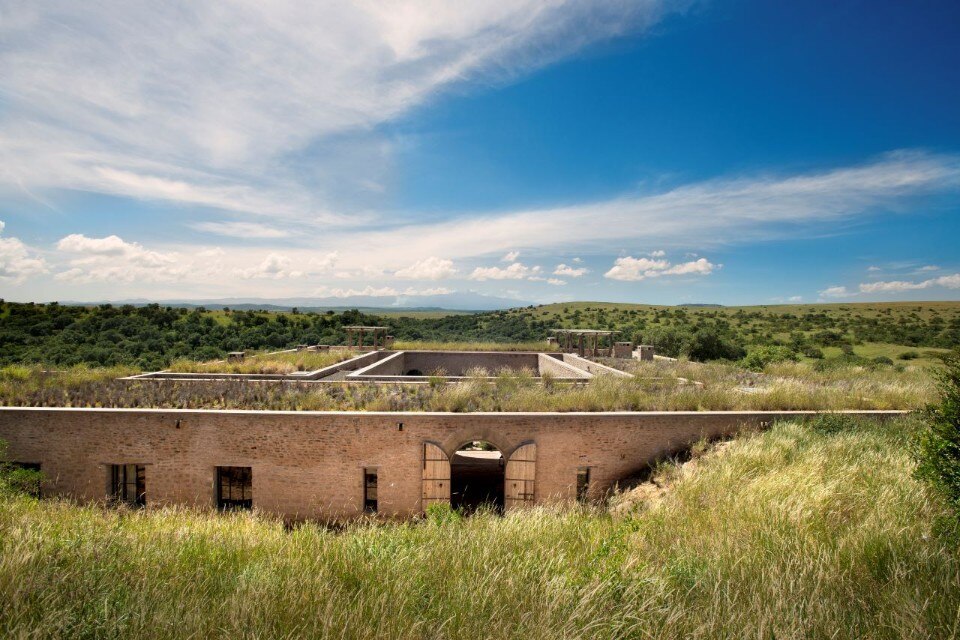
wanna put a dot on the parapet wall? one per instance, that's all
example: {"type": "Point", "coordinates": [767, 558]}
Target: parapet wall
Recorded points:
{"type": "Point", "coordinates": [311, 464]}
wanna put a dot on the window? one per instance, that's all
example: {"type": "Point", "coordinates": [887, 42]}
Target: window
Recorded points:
{"type": "Point", "coordinates": [370, 490]}
{"type": "Point", "coordinates": [128, 484]}
{"type": "Point", "coordinates": [234, 488]}
{"type": "Point", "coordinates": [583, 483]}
{"type": "Point", "coordinates": [26, 477]}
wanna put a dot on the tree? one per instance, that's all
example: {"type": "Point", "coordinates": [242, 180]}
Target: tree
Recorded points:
{"type": "Point", "coordinates": [938, 450]}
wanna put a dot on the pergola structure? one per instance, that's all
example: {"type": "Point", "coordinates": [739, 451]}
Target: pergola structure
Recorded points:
{"type": "Point", "coordinates": [379, 335]}
{"type": "Point", "coordinates": [585, 342]}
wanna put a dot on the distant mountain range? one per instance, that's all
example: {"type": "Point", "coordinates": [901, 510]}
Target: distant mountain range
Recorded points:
{"type": "Point", "coordinates": [466, 301]}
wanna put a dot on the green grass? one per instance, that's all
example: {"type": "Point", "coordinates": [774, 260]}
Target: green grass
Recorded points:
{"type": "Point", "coordinates": [267, 362]}
{"type": "Point", "coordinates": [655, 387]}
{"type": "Point", "coordinates": [798, 532]}
{"type": "Point", "coordinates": [422, 345]}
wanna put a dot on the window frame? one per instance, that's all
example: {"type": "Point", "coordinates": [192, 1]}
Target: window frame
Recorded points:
{"type": "Point", "coordinates": [371, 504]}
{"type": "Point", "coordinates": [127, 477]}
{"type": "Point", "coordinates": [238, 479]}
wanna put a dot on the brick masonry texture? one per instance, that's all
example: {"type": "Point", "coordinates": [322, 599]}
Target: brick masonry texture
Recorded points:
{"type": "Point", "coordinates": [309, 465]}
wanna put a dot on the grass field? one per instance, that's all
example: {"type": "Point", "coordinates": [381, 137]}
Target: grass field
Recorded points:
{"type": "Point", "coordinates": [655, 387]}
{"type": "Point", "coordinates": [286, 362]}
{"type": "Point", "coordinates": [804, 531]}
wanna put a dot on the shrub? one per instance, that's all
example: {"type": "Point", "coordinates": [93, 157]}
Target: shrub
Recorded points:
{"type": "Point", "coordinates": [760, 357]}
{"type": "Point", "coordinates": [938, 447]}
{"type": "Point", "coordinates": [908, 355]}
{"type": "Point", "coordinates": [811, 351]}
{"type": "Point", "coordinates": [882, 360]}
{"type": "Point", "coordinates": [708, 344]}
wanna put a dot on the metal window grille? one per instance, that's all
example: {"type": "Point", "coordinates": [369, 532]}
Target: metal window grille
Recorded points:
{"type": "Point", "coordinates": [128, 484]}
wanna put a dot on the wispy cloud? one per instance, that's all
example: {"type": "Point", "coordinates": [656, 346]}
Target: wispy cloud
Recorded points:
{"type": "Point", "coordinates": [211, 103]}
{"type": "Point", "coordinates": [896, 286]}
{"type": "Point", "coordinates": [237, 229]}
{"type": "Point", "coordinates": [719, 211]}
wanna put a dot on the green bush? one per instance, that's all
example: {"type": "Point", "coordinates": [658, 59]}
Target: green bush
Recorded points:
{"type": "Point", "coordinates": [709, 344]}
{"type": "Point", "coordinates": [760, 357]}
{"type": "Point", "coordinates": [882, 360]}
{"type": "Point", "coordinates": [908, 355]}
{"type": "Point", "coordinates": [938, 450]}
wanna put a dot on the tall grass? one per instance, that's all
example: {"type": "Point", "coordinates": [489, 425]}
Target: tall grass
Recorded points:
{"type": "Point", "coordinates": [799, 532]}
{"type": "Point", "coordinates": [286, 362]}
{"type": "Point", "coordinates": [423, 345]}
{"type": "Point", "coordinates": [655, 387]}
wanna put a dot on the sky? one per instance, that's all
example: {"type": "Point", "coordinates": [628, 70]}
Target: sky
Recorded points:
{"type": "Point", "coordinates": [654, 151]}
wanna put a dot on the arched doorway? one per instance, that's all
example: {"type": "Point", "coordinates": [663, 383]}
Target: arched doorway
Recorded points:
{"type": "Point", "coordinates": [477, 477]}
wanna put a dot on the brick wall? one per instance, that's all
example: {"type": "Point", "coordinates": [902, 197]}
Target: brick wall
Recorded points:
{"type": "Point", "coordinates": [310, 464]}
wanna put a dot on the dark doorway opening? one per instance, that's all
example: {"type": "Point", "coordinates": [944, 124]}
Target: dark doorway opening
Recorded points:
{"type": "Point", "coordinates": [476, 478]}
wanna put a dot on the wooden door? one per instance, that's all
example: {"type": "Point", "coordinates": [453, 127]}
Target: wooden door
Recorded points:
{"type": "Point", "coordinates": [519, 486]}
{"type": "Point", "coordinates": [436, 475]}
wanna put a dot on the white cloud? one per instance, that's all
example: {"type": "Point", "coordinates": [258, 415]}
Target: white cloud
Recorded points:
{"type": "Point", "coordinates": [213, 252]}
{"type": "Point", "coordinates": [516, 271]}
{"type": "Point", "coordinates": [113, 259]}
{"type": "Point", "coordinates": [715, 212]}
{"type": "Point", "coordinates": [572, 272]}
{"type": "Point", "coordinates": [369, 290]}
{"type": "Point", "coordinates": [659, 253]}
{"type": "Point", "coordinates": [873, 268]}
{"type": "Point", "coordinates": [556, 281]}
{"type": "Point", "coordinates": [835, 292]}
{"type": "Point", "coordinates": [578, 260]}
{"type": "Point", "coordinates": [795, 299]}
{"type": "Point", "coordinates": [893, 286]}
{"type": "Point", "coordinates": [632, 269]}
{"type": "Point", "coordinates": [510, 257]}
{"type": "Point", "coordinates": [701, 267]}
{"type": "Point", "coordinates": [207, 102]}
{"type": "Point", "coordinates": [240, 229]}
{"type": "Point", "coordinates": [431, 268]}
{"type": "Point", "coordinates": [18, 261]}
{"type": "Point", "coordinates": [929, 267]}
{"type": "Point", "coordinates": [275, 266]}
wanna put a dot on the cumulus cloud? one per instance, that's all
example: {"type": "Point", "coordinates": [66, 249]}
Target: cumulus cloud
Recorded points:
{"type": "Point", "coordinates": [556, 281]}
{"type": "Point", "coordinates": [431, 268]}
{"type": "Point", "coordinates": [18, 261]}
{"type": "Point", "coordinates": [659, 253]}
{"type": "Point", "coordinates": [835, 292]}
{"type": "Point", "coordinates": [274, 266]}
{"type": "Point", "coordinates": [113, 259]}
{"type": "Point", "coordinates": [511, 256]}
{"type": "Point", "coordinates": [894, 286]}
{"type": "Point", "coordinates": [516, 271]}
{"type": "Point", "coordinates": [632, 269]}
{"type": "Point", "coordinates": [572, 272]}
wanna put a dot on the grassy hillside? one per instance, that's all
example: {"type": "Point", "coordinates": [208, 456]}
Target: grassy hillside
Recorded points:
{"type": "Point", "coordinates": [806, 530]}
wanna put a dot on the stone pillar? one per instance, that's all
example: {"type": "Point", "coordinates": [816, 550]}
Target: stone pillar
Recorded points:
{"type": "Point", "coordinates": [645, 352]}
{"type": "Point", "coordinates": [623, 350]}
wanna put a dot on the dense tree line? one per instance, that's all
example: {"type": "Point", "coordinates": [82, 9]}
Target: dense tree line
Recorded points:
{"type": "Point", "coordinates": [151, 336]}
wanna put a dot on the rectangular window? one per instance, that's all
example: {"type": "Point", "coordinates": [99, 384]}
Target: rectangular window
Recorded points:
{"type": "Point", "coordinates": [28, 479]}
{"type": "Point", "coordinates": [370, 490]}
{"type": "Point", "coordinates": [234, 488]}
{"type": "Point", "coordinates": [128, 484]}
{"type": "Point", "coordinates": [583, 483]}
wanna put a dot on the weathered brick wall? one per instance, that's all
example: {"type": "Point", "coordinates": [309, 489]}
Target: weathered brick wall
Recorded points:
{"type": "Point", "coordinates": [310, 464]}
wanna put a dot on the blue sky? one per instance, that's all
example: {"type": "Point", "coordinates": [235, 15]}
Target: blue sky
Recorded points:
{"type": "Point", "coordinates": [739, 152]}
